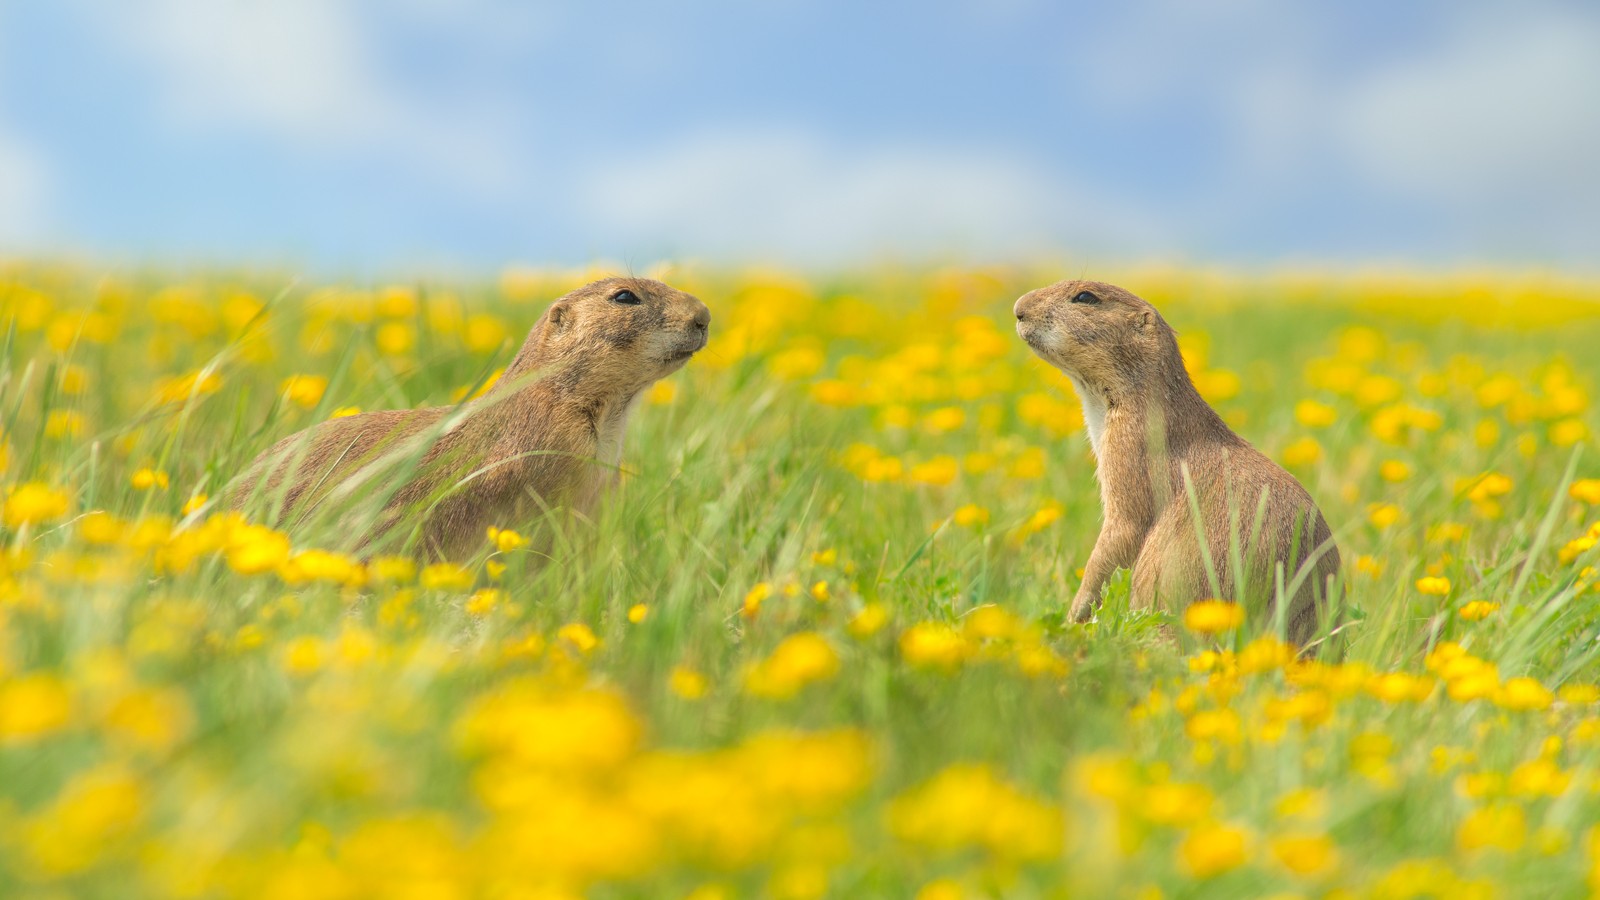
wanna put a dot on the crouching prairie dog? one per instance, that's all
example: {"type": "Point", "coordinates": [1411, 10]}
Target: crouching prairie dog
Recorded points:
{"type": "Point", "coordinates": [1162, 452]}
{"type": "Point", "coordinates": [548, 434]}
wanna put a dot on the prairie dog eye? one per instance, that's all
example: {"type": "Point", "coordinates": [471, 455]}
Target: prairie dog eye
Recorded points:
{"type": "Point", "coordinates": [625, 297]}
{"type": "Point", "coordinates": [1085, 297]}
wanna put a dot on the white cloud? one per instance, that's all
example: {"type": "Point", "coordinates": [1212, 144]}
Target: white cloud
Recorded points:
{"type": "Point", "coordinates": [24, 189]}
{"type": "Point", "coordinates": [787, 195]}
{"type": "Point", "coordinates": [1504, 107]}
{"type": "Point", "coordinates": [303, 73]}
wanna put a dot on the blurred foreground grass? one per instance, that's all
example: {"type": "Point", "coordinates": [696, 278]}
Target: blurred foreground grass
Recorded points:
{"type": "Point", "coordinates": [815, 645]}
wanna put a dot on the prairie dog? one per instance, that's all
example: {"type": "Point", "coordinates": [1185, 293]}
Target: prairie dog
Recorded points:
{"type": "Point", "coordinates": [1155, 440]}
{"type": "Point", "coordinates": [548, 434]}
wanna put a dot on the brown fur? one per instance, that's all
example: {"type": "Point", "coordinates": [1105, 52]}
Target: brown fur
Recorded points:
{"type": "Point", "coordinates": [548, 434]}
{"type": "Point", "coordinates": [1153, 437]}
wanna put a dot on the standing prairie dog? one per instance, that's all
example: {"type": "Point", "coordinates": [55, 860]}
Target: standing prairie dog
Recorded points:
{"type": "Point", "coordinates": [1155, 441]}
{"type": "Point", "coordinates": [548, 434]}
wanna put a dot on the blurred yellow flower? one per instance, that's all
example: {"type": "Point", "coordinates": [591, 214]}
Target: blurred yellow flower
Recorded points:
{"type": "Point", "coordinates": [445, 576]}
{"type": "Point", "coordinates": [33, 706]}
{"type": "Point", "coordinates": [1394, 471]}
{"type": "Point", "coordinates": [1477, 610]}
{"type": "Point", "coordinates": [935, 645]}
{"type": "Point", "coordinates": [798, 660]}
{"type": "Point", "coordinates": [579, 636]}
{"type": "Point", "coordinates": [1433, 586]}
{"type": "Point", "coordinates": [869, 621]}
{"type": "Point", "coordinates": [34, 503]}
{"type": "Point", "coordinates": [1304, 855]}
{"type": "Point", "coordinates": [1302, 452]}
{"type": "Point", "coordinates": [1213, 616]}
{"type": "Point", "coordinates": [1211, 849]}
{"type": "Point", "coordinates": [687, 683]}
{"type": "Point", "coordinates": [1586, 490]}
{"type": "Point", "coordinates": [304, 391]}
{"type": "Point", "coordinates": [1313, 414]}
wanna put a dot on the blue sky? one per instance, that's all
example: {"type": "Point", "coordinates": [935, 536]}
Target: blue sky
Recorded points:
{"type": "Point", "coordinates": [476, 133]}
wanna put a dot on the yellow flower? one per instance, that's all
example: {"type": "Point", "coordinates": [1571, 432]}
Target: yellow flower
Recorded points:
{"type": "Point", "coordinates": [971, 514]}
{"type": "Point", "coordinates": [1477, 610]}
{"type": "Point", "coordinates": [579, 636]}
{"type": "Point", "coordinates": [799, 660]}
{"type": "Point", "coordinates": [34, 503]}
{"type": "Point", "coordinates": [194, 504]}
{"type": "Point", "coordinates": [1306, 855]}
{"type": "Point", "coordinates": [1394, 471]}
{"type": "Point", "coordinates": [505, 540]}
{"type": "Point", "coordinates": [1175, 803]}
{"type": "Point", "coordinates": [1567, 432]}
{"type": "Point", "coordinates": [663, 393]}
{"type": "Point", "coordinates": [637, 612]}
{"type": "Point", "coordinates": [1302, 452]}
{"type": "Point", "coordinates": [945, 419]}
{"type": "Point", "coordinates": [482, 602]}
{"type": "Point", "coordinates": [149, 718]}
{"type": "Point", "coordinates": [934, 644]}
{"type": "Point", "coordinates": [97, 809]}
{"type": "Point", "coordinates": [968, 805]}
{"type": "Point", "coordinates": [145, 479]}
{"type": "Point", "coordinates": [322, 566]}
{"type": "Point", "coordinates": [1576, 548]}
{"type": "Point", "coordinates": [1383, 515]}
{"type": "Point", "coordinates": [1313, 414]}
{"type": "Point", "coordinates": [940, 470]}
{"type": "Point", "coordinates": [302, 656]}
{"type": "Point", "coordinates": [1523, 693]}
{"type": "Point", "coordinates": [304, 390]}
{"type": "Point", "coordinates": [687, 683]}
{"type": "Point", "coordinates": [444, 576]}
{"type": "Point", "coordinates": [1213, 616]}
{"type": "Point", "coordinates": [825, 557]}
{"type": "Point", "coordinates": [392, 569]}
{"type": "Point", "coordinates": [1586, 490]}
{"type": "Point", "coordinates": [1212, 849]}
{"type": "Point", "coordinates": [1433, 586]}
{"type": "Point", "coordinates": [345, 412]}
{"type": "Point", "coordinates": [254, 549]}
{"type": "Point", "coordinates": [753, 599]}
{"type": "Point", "coordinates": [1499, 826]}
{"type": "Point", "coordinates": [33, 706]}
{"type": "Point", "coordinates": [820, 593]}
{"type": "Point", "coordinates": [869, 621]}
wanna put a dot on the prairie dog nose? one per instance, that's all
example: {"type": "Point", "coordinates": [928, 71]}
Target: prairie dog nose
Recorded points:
{"type": "Point", "coordinates": [702, 318]}
{"type": "Point", "coordinates": [1022, 306]}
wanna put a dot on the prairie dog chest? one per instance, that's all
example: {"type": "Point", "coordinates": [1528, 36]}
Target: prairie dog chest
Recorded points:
{"type": "Point", "coordinates": [611, 428]}
{"type": "Point", "coordinates": [1094, 413]}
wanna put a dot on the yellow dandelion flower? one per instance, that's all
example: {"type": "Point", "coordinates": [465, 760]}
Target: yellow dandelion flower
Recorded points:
{"type": "Point", "coordinates": [34, 503]}
{"type": "Point", "coordinates": [579, 636]}
{"type": "Point", "coordinates": [1585, 490]}
{"type": "Point", "coordinates": [687, 683]}
{"type": "Point", "coordinates": [1213, 616]}
{"type": "Point", "coordinates": [1305, 855]}
{"type": "Point", "coordinates": [33, 706]}
{"type": "Point", "coordinates": [1433, 586]}
{"type": "Point", "coordinates": [1212, 849]}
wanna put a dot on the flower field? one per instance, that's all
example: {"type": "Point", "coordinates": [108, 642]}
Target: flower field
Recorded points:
{"type": "Point", "coordinates": [815, 644]}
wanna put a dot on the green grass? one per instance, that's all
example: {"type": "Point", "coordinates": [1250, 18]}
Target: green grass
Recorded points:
{"type": "Point", "coordinates": [171, 726]}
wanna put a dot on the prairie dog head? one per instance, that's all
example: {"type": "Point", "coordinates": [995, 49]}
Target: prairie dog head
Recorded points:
{"type": "Point", "coordinates": [631, 328]}
{"type": "Point", "coordinates": [1096, 333]}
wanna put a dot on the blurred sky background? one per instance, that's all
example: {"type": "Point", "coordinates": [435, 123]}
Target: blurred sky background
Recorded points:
{"type": "Point", "coordinates": [474, 133]}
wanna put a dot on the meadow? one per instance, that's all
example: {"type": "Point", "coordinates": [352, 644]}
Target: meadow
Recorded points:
{"type": "Point", "coordinates": [815, 644]}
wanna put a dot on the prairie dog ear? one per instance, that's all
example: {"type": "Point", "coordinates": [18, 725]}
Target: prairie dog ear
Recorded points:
{"type": "Point", "coordinates": [1144, 320]}
{"type": "Point", "coordinates": [559, 316]}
